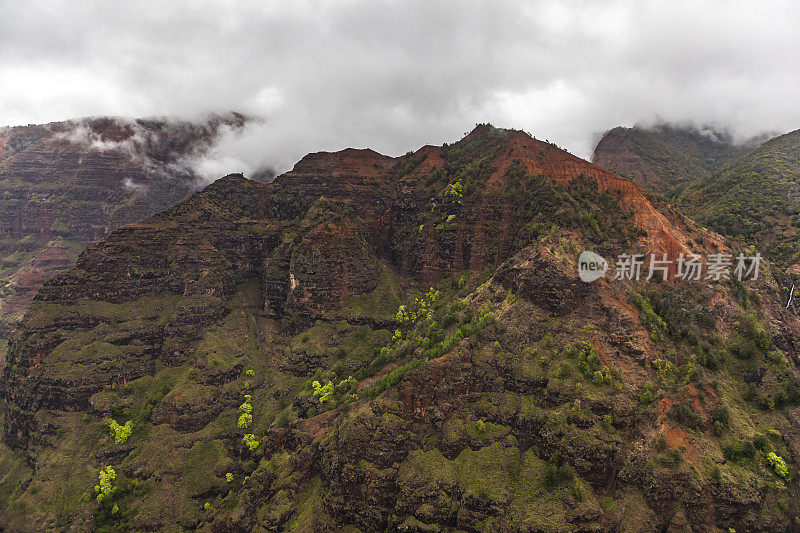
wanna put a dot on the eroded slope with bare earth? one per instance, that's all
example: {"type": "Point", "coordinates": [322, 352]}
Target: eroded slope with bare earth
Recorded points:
{"type": "Point", "coordinates": [375, 343]}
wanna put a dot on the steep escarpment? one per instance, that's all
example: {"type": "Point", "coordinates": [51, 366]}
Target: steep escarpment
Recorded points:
{"type": "Point", "coordinates": [67, 184]}
{"type": "Point", "coordinates": [403, 343]}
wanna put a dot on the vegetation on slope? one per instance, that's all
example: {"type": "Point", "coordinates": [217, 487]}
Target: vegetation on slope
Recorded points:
{"type": "Point", "coordinates": [666, 158]}
{"type": "Point", "coordinates": [266, 367]}
{"type": "Point", "coordinates": [743, 191]}
{"type": "Point", "coordinates": [756, 198]}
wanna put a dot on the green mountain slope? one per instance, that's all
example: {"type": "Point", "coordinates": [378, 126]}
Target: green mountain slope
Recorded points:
{"type": "Point", "coordinates": [372, 343]}
{"type": "Point", "coordinates": [756, 197]}
{"type": "Point", "coordinates": [746, 193]}
{"type": "Point", "coordinates": [664, 158]}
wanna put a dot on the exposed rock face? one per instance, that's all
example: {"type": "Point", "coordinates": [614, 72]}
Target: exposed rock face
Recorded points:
{"type": "Point", "coordinates": [64, 185]}
{"type": "Point", "coordinates": [510, 397]}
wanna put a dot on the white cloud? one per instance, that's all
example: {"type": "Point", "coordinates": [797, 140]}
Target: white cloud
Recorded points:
{"type": "Point", "coordinates": [395, 75]}
{"type": "Point", "coordinates": [81, 133]}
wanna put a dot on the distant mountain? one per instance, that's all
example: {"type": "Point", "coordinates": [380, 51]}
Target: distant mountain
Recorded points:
{"type": "Point", "coordinates": [748, 193]}
{"type": "Point", "coordinates": [755, 197]}
{"type": "Point", "coordinates": [664, 158]}
{"type": "Point", "coordinates": [64, 185]}
{"type": "Point", "coordinates": [372, 343]}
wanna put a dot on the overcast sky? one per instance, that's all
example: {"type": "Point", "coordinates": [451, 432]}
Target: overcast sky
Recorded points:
{"type": "Point", "coordinates": [397, 75]}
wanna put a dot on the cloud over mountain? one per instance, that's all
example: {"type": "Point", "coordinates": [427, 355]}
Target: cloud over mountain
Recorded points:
{"type": "Point", "coordinates": [386, 74]}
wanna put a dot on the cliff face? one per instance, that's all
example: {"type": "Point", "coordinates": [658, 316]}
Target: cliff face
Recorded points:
{"type": "Point", "coordinates": [64, 185]}
{"type": "Point", "coordinates": [284, 365]}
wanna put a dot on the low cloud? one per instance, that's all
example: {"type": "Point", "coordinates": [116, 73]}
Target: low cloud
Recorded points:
{"type": "Point", "coordinates": [81, 133]}
{"type": "Point", "coordinates": [131, 185]}
{"type": "Point", "coordinates": [397, 75]}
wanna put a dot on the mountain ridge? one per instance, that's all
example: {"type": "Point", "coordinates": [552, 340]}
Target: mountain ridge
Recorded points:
{"type": "Point", "coordinates": [747, 192]}
{"type": "Point", "coordinates": [405, 344]}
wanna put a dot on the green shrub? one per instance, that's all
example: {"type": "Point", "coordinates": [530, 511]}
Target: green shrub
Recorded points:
{"type": "Point", "coordinates": [710, 359]}
{"type": "Point", "coordinates": [683, 414]}
{"type": "Point", "coordinates": [589, 363]}
{"type": "Point", "coordinates": [671, 459]}
{"type": "Point", "coordinates": [282, 420]}
{"type": "Point", "coordinates": [780, 466]}
{"type": "Point", "coordinates": [246, 416]}
{"type": "Point", "coordinates": [403, 316]}
{"type": "Point", "coordinates": [684, 317]}
{"type": "Point", "coordinates": [647, 394]}
{"type": "Point", "coordinates": [105, 489]}
{"type": "Point", "coordinates": [245, 421]}
{"type": "Point", "coordinates": [345, 386]}
{"type": "Point", "coordinates": [738, 450]}
{"type": "Point", "coordinates": [654, 323]}
{"type": "Point", "coordinates": [454, 190]}
{"type": "Point", "coordinates": [761, 443]}
{"type": "Point", "coordinates": [722, 415]}
{"type": "Point", "coordinates": [557, 474]}
{"type": "Point", "coordinates": [323, 392]}
{"type": "Point", "coordinates": [120, 433]}
{"type": "Point", "coordinates": [750, 337]}
{"type": "Point", "coordinates": [106, 492]}
{"type": "Point", "coordinates": [250, 441]}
